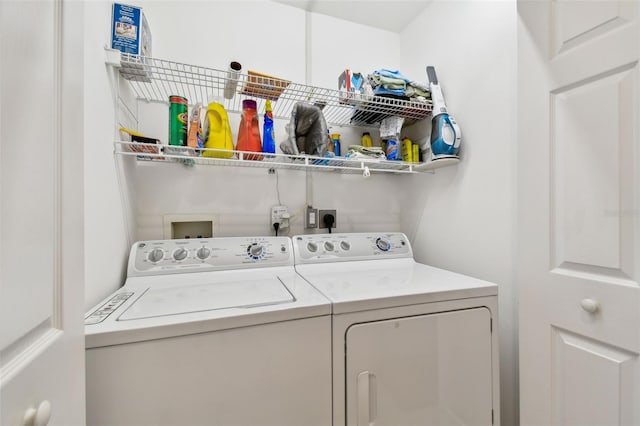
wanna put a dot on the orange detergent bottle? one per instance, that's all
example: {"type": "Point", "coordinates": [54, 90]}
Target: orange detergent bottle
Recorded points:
{"type": "Point", "coordinates": [249, 131]}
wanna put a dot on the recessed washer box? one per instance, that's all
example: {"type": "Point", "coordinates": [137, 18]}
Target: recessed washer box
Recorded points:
{"type": "Point", "coordinates": [188, 226]}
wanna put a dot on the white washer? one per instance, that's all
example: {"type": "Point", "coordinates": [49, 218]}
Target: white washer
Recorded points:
{"type": "Point", "coordinates": [413, 345]}
{"type": "Point", "coordinates": [218, 331]}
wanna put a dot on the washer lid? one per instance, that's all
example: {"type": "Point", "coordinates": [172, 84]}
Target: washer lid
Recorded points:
{"type": "Point", "coordinates": [188, 298]}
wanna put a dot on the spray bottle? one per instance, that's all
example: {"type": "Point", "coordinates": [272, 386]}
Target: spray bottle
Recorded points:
{"type": "Point", "coordinates": [268, 135]}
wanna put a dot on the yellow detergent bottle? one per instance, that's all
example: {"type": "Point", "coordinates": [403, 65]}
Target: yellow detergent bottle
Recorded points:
{"type": "Point", "coordinates": [217, 132]}
{"type": "Point", "coordinates": [366, 140]}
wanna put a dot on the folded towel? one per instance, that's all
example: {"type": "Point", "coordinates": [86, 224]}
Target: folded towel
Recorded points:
{"type": "Point", "coordinates": [393, 82]}
{"type": "Point", "coordinates": [386, 91]}
{"type": "Point", "coordinates": [413, 91]}
{"type": "Point", "coordinates": [359, 151]}
{"type": "Point", "coordinates": [420, 85]}
{"type": "Point", "coordinates": [395, 74]}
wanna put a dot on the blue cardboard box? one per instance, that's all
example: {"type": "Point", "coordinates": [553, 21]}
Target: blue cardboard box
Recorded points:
{"type": "Point", "coordinates": [130, 30]}
{"type": "Point", "coordinates": [130, 34]}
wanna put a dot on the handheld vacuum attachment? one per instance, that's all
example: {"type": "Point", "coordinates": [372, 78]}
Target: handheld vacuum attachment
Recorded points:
{"type": "Point", "coordinates": [445, 132]}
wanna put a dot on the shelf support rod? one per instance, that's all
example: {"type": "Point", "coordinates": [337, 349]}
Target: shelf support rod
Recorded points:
{"type": "Point", "coordinates": [307, 47]}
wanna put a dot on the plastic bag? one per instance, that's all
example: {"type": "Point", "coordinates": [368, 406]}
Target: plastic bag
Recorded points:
{"type": "Point", "coordinates": [307, 131]}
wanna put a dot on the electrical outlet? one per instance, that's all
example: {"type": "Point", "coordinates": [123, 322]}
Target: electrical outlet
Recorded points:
{"type": "Point", "coordinates": [322, 218]}
{"type": "Point", "coordinates": [280, 215]}
{"type": "Point", "coordinates": [311, 218]}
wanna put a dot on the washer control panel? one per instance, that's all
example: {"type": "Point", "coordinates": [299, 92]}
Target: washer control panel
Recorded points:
{"type": "Point", "coordinates": [107, 308]}
{"type": "Point", "coordinates": [342, 247]}
{"type": "Point", "coordinates": [208, 254]}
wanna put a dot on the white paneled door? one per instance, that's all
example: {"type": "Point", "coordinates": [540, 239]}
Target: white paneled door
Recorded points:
{"type": "Point", "coordinates": [579, 212]}
{"type": "Point", "coordinates": [41, 213]}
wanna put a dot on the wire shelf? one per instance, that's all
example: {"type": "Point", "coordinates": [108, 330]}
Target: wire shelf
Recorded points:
{"type": "Point", "coordinates": [154, 80]}
{"type": "Point", "coordinates": [191, 156]}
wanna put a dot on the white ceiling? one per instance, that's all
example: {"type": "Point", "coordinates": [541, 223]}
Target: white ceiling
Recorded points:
{"type": "Point", "coordinates": [392, 15]}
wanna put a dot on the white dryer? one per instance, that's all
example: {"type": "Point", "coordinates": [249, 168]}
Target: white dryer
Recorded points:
{"type": "Point", "coordinates": [413, 345]}
{"type": "Point", "coordinates": [218, 331]}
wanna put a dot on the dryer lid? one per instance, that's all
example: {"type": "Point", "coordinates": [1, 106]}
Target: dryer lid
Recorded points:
{"type": "Point", "coordinates": [188, 298]}
{"type": "Point", "coordinates": [371, 284]}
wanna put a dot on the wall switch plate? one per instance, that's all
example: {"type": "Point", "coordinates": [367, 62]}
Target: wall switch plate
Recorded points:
{"type": "Point", "coordinates": [311, 218]}
{"type": "Point", "coordinates": [322, 214]}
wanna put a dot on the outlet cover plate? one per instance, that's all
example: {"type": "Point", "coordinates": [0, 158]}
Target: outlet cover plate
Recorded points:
{"type": "Point", "coordinates": [281, 215]}
{"type": "Point", "coordinates": [321, 214]}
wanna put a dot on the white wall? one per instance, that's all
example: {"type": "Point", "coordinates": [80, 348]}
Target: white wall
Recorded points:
{"type": "Point", "coordinates": [460, 219]}
{"type": "Point", "coordinates": [127, 201]}
{"type": "Point", "coordinates": [337, 44]}
{"type": "Point", "coordinates": [261, 35]}
{"type": "Point", "coordinates": [275, 39]}
{"type": "Point", "coordinates": [106, 243]}
{"type": "Point", "coordinates": [467, 212]}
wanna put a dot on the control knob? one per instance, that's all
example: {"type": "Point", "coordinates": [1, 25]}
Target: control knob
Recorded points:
{"type": "Point", "coordinates": [255, 251]}
{"type": "Point", "coordinates": [312, 247]}
{"type": "Point", "coordinates": [203, 253]}
{"type": "Point", "coordinates": [344, 245]}
{"type": "Point", "coordinates": [156, 255]}
{"type": "Point", "coordinates": [383, 244]}
{"type": "Point", "coordinates": [180, 254]}
{"type": "Point", "coordinates": [328, 246]}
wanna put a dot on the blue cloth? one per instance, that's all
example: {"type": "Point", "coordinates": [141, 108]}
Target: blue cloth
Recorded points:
{"type": "Point", "coordinates": [393, 82]}
{"type": "Point", "coordinates": [381, 90]}
{"type": "Point", "coordinates": [383, 72]}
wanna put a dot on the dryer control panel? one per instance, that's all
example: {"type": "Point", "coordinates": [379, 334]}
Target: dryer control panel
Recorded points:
{"type": "Point", "coordinates": [208, 254]}
{"type": "Point", "coordinates": [320, 248]}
